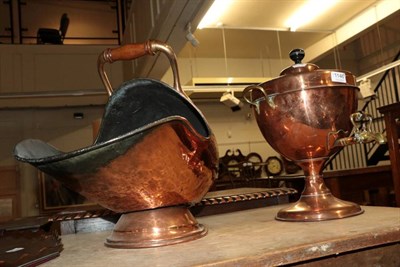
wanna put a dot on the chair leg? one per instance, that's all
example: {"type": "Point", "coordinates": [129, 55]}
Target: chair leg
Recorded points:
{"type": "Point", "coordinates": [39, 39]}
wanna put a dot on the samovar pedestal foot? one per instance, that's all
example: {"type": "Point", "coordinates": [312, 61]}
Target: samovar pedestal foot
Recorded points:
{"type": "Point", "coordinates": [316, 202]}
{"type": "Point", "coordinates": [310, 208]}
{"type": "Point", "coordinates": [154, 228]}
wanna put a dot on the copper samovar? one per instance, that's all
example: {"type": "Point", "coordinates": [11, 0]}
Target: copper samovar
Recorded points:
{"type": "Point", "coordinates": [308, 114]}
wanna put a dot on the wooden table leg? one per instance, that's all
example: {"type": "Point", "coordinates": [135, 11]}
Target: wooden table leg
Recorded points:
{"type": "Point", "coordinates": [391, 115]}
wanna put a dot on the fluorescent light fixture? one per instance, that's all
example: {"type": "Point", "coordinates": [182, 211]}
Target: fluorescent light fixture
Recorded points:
{"type": "Point", "coordinates": [308, 12]}
{"type": "Point", "coordinates": [214, 13]}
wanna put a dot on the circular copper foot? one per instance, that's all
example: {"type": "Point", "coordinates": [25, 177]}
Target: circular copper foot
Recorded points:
{"type": "Point", "coordinates": [318, 208]}
{"type": "Point", "coordinates": [154, 228]}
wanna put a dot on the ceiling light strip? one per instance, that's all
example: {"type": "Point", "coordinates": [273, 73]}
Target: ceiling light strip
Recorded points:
{"type": "Point", "coordinates": [308, 12]}
{"type": "Point", "coordinates": [213, 14]}
{"type": "Point", "coordinates": [283, 29]}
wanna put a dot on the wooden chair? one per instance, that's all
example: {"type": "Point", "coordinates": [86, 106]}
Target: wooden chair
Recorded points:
{"type": "Point", "coordinates": [391, 115]}
{"type": "Point", "coordinates": [54, 36]}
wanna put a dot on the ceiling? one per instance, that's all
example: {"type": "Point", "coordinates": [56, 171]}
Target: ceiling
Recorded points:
{"type": "Point", "coordinates": [256, 29]}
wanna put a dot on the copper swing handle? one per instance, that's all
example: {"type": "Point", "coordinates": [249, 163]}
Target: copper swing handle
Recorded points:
{"type": "Point", "coordinates": [133, 51]}
{"type": "Point", "coordinates": [256, 103]}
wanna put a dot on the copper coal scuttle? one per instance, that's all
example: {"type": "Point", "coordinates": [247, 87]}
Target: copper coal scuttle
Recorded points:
{"type": "Point", "coordinates": [154, 156]}
{"type": "Point", "coordinates": [308, 114]}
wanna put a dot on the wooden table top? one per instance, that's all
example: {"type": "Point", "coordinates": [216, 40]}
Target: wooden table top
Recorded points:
{"type": "Point", "coordinates": [244, 238]}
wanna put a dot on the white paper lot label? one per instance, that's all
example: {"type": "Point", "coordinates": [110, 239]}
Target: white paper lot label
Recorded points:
{"type": "Point", "coordinates": [338, 77]}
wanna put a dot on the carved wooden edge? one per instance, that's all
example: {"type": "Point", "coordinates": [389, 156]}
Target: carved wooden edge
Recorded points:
{"type": "Point", "coordinates": [78, 215]}
{"type": "Point", "coordinates": [267, 193]}
{"type": "Point", "coordinates": [207, 201]}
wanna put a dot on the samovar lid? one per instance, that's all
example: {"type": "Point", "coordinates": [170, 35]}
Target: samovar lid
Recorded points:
{"type": "Point", "coordinates": [297, 56]}
{"type": "Point", "coordinates": [305, 76]}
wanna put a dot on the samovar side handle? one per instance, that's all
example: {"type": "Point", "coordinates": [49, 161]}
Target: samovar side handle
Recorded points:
{"type": "Point", "coordinates": [256, 103]}
{"type": "Point", "coordinates": [133, 51]}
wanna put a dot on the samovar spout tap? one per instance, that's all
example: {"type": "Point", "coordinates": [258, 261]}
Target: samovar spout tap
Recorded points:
{"type": "Point", "coordinates": [361, 133]}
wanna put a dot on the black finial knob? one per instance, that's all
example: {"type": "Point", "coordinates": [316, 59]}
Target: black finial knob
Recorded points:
{"type": "Point", "coordinates": [297, 55]}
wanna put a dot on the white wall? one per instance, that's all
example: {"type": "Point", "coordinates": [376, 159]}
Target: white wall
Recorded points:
{"type": "Point", "coordinates": [40, 68]}
{"type": "Point", "coordinates": [235, 130]}
{"type": "Point", "coordinates": [237, 67]}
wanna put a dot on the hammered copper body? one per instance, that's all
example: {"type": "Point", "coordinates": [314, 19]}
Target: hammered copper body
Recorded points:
{"type": "Point", "coordinates": [154, 155]}
{"type": "Point", "coordinates": [301, 114]}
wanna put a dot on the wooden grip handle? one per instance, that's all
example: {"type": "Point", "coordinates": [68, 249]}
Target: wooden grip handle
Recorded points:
{"type": "Point", "coordinates": [130, 51]}
{"type": "Point", "coordinates": [133, 51]}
